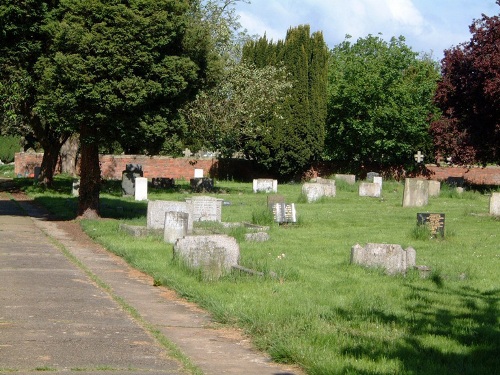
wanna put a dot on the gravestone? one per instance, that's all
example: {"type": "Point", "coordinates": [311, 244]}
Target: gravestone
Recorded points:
{"type": "Point", "coordinates": [316, 190]}
{"type": "Point", "coordinates": [416, 192]}
{"type": "Point", "coordinates": [434, 188]}
{"type": "Point", "coordinates": [390, 257]}
{"type": "Point", "coordinates": [495, 204]}
{"type": "Point", "coordinates": [158, 208]}
{"type": "Point", "coordinates": [162, 183]}
{"type": "Point", "coordinates": [378, 180]}
{"type": "Point", "coordinates": [205, 208]}
{"type": "Point", "coordinates": [198, 173]}
{"type": "Point", "coordinates": [201, 184]}
{"type": "Point", "coordinates": [141, 189]}
{"type": "Point", "coordinates": [457, 182]}
{"type": "Point", "coordinates": [131, 172]}
{"type": "Point", "coordinates": [273, 199]}
{"type": "Point", "coordinates": [36, 172]}
{"type": "Point", "coordinates": [257, 237]}
{"type": "Point", "coordinates": [435, 222]}
{"type": "Point", "coordinates": [369, 189]}
{"type": "Point", "coordinates": [370, 175]}
{"type": "Point", "coordinates": [284, 213]}
{"type": "Point", "coordinates": [349, 178]}
{"type": "Point", "coordinates": [176, 226]}
{"type": "Point", "coordinates": [265, 185]}
{"type": "Point", "coordinates": [75, 188]}
{"type": "Point", "coordinates": [214, 255]}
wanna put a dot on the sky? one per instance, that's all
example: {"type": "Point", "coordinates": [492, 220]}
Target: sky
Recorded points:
{"type": "Point", "coordinates": [429, 26]}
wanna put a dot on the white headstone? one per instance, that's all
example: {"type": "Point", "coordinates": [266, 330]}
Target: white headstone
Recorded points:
{"type": "Point", "coordinates": [265, 185]}
{"type": "Point", "coordinates": [198, 173]}
{"type": "Point", "coordinates": [377, 180]}
{"type": "Point", "coordinates": [141, 189]}
{"type": "Point", "coordinates": [176, 226]}
{"type": "Point", "coordinates": [370, 189]}
{"type": "Point", "coordinates": [495, 204]}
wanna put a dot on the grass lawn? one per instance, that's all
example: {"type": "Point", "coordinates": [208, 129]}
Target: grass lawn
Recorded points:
{"type": "Point", "coordinates": [322, 313]}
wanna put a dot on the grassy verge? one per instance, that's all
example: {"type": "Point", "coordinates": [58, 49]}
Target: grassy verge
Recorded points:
{"type": "Point", "coordinates": [321, 312]}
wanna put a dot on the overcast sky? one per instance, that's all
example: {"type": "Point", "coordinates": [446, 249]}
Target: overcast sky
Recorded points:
{"type": "Point", "coordinates": [427, 25]}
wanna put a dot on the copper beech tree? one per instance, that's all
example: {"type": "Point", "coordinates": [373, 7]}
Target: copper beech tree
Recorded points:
{"type": "Point", "coordinates": [469, 96]}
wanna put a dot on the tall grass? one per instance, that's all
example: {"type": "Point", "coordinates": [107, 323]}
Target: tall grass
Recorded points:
{"type": "Point", "coordinates": [331, 317]}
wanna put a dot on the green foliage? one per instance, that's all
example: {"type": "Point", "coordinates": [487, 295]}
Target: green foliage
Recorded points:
{"type": "Point", "coordinates": [379, 102]}
{"type": "Point", "coordinates": [9, 145]}
{"type": "Point", "coordinates": [296, 137]}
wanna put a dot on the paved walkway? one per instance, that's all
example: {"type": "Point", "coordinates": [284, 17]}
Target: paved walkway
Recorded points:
{"type": "Point", "coordinates": [70, 306]}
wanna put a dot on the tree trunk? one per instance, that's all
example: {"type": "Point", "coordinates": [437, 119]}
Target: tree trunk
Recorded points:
{"type": "Point", "coordinates": [90, 175]}
{"type": "Point", "coordinates": [69, 155]}
{"type": "Point", "coordinates": [49, 162]}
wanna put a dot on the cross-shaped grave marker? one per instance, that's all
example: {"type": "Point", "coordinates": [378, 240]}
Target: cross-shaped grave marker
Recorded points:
{"type": "Point", "coordinates": [419, 157]}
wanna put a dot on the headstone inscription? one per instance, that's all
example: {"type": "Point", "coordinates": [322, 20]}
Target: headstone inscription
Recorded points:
{"type": "Point", "coordinates": [495, 204]}
{"type": "Point", "coordinates": [284, 213]}
{"type": "Point", "coordinates": [141, 189]}
{"type": "Point", "coordinates": [266, 185]}
{"type": "Point", "coordinates": [434, 221]}
{"type": "Point", "coordinates": [205, 208]}
{"type": "Point", "coordinates": [128, 178]}
{"type": "Point", "coordinates": [416, 192]}
{"type": "Point", "coordinates": [390, 257]}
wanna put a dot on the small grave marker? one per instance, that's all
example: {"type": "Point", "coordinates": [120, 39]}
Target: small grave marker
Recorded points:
{"type": "Point", "coordinates": [495, 204]}
{"type": "Point", "coordinates": [265, 185]}
{"type": "Point", "coordinates": [284, 213]}
{"type": "Point", "coordinates": [434, 221]}
{"type": "Point", "coordinates": [141, 189]}
{"type": "Point", "coordinates": [419, 157]}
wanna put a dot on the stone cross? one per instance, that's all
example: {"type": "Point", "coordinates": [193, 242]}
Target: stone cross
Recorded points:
{"type": "Point", "coordinates": [419, 157]}
{"type": "Point", "coordinates": [187, 153]}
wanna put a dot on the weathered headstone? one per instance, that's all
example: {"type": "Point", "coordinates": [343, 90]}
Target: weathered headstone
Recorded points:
{"type": "Point", "coordinates": [416, 192]}
{"type": "Point", "coordinates": [36, 172]}
{"type": "Point", "coordinates": [273, 199]}
{"type": "Point", "coordinates": [435, 222]}
{"type": "Point", "coordinates": [284, 213]}
{"type": "Point", "coordinates": [495, 204]}
{"type": "Point", "coordinates": [205, 208]}
{"type": "Point", "coordinates": [317, 190]}
{"type": "Point", "coordinates": [257, 237]}
{"type": "Point", "coordinates": [141, 189]}
{"type": "Point", "coordinates": [457, 182]}
{"type": "Point", "coordinates": [370, 175]}
{"type": "Point", "coordinates": [162, 183]}
{"type": "Point", "coordinates": [390, 257]}
{"type": "Point", "coordinates": [131, 172]}
{"type": "Point", "coordinates": [349, 178]}
{"type": "Point", "coordinates": [75, 188]}
{"type": "Point", "coordinates": [158, 208]}
{"type": "Point", "coordinates": [201, 184]}
{"type": "Point", "coordinates": [369, 189]}
{"type": "Point", "coordinates": [434, 188]}
{"type": "Point", "coordinates": [378, 180]}
{"type": "Point", "coordinates": [176, 226]}
{"type": "Point", "coordinates": [265, 185]}
{"type": "Point", "coordinates": [215, 255]}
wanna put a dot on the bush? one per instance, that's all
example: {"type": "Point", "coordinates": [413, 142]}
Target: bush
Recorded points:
{"type": "Point", "coordinates": [9, 145]}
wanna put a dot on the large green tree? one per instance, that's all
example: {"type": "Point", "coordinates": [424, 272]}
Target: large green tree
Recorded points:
{"type": "Point", "coordinates": [469, 96]}
{"type": "Point", "coordinates": [295, 138]}
{"type": "Point", "coordinates": [22, 43]}
{"type": "Point", "coordinates": [119, 69]}
{"type": "Point", "coordinates": [379, 103]}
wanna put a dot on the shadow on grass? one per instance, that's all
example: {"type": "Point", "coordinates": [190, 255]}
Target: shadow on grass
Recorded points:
{"type": "Point", "coordinates": [461, 337]}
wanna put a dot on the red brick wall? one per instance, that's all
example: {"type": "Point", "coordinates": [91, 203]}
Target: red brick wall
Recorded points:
{"type": "Point", "coordinates": [112, 166]}
{"type": "Point", "coordinates": [183, 168]}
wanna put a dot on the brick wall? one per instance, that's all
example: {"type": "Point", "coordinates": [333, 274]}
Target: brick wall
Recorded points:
{"type": "Point", "coordinates": [242, 170]}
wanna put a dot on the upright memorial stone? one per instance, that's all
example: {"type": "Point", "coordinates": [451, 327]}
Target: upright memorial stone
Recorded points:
{"type": "Point", "coordinates": [176, 226]}
{"type": "Point", "coordinates": [158, 209]}
{"type": "Point", "coordinates": [265, 185]}
{"type": "Point", "coordinates": [369, 189]}
{"type": "Point", "coordinates": [284, 213]}
{"type": "Point", "coordinates": [435, 222]}
{"type": "Point", "coordinates": [131, 172]}
{"type": "Point", "coordinates": [205, 208]}
{"type": "Point", "coordinates": [495, 204]}
{"type": "Point", "coordinates": [141, 189]}
{"type": "Point", "coordinates": [391, 257]}
{"type": "Point", "coordinates": [416, 193]}
{"type": "Point", "coordinates": [434, 188]}
{"type": "Point", "coordinates": [349, 178]}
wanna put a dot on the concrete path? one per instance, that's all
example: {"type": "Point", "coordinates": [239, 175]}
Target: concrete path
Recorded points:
{"type": "Point", "coordinates": [67, 305]}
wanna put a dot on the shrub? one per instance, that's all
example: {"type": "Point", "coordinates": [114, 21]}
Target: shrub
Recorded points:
{"type": "Point", "coordinates": [9, 145]}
